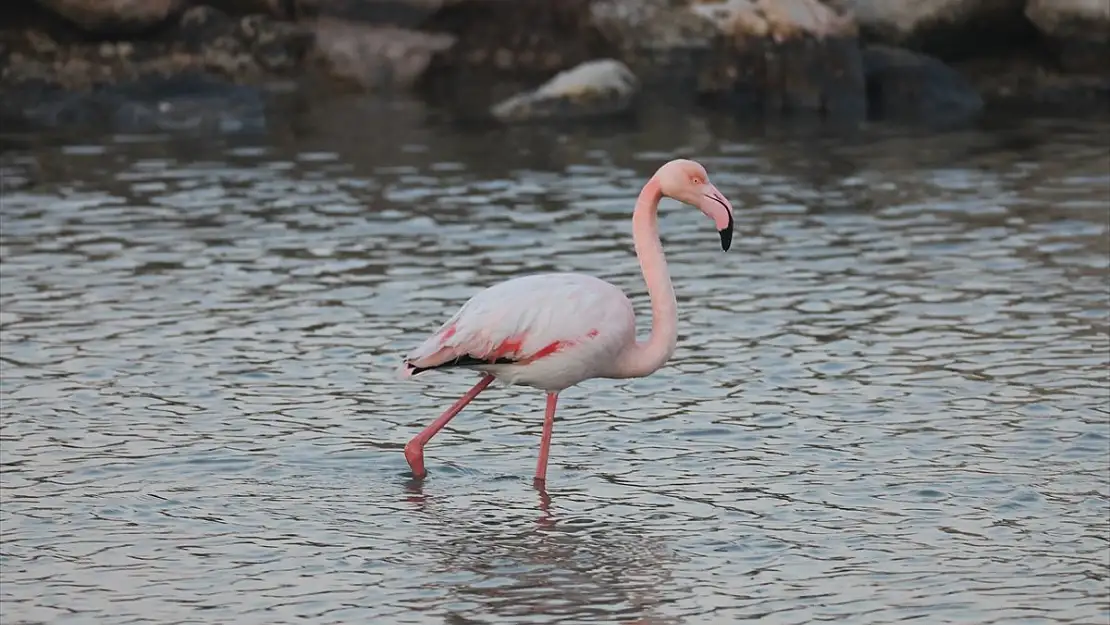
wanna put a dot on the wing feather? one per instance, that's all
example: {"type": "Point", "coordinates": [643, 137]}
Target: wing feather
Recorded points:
{"type": "Point", "coordinates": [517, 320]}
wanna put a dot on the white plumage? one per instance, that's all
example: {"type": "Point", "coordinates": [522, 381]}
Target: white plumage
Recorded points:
{"type": "Point", "coordinates": [559, 328]}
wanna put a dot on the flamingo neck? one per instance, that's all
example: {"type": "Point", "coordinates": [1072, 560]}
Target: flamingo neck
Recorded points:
{"type": "Point", "coordinates": [643, 358]}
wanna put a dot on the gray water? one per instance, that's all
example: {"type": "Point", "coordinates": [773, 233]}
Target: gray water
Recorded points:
{"type": "Point", "coordinates": [889, 402]}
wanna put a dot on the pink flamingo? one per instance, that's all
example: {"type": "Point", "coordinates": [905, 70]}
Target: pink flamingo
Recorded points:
{"type": "Point", "coordinates": [552, 331]}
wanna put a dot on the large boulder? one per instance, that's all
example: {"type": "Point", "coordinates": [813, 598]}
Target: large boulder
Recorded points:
{"type": "Point", "coordinates": [774, 55]}
{"type": "Point", "coordinates": [910, 21]}
{"type": "Point", "coordinates": [525, 38]}
{"type": "Point", "coordinates": [376, 58]}
{"type": "Point", "coordinates": [784, 55]}
{"type": "Point", "coordinates": [596, 88]}
{"type": "Point", "coordinates": [905, 85]}
{"type": "Point", "coordinates": [284, 9]}
{"type": "Point", "coordinates": [1079, 30]}
{"type": "Point", "coordinates": [109, 17]}
{"type": "Point", "coordinates": [661, 40]}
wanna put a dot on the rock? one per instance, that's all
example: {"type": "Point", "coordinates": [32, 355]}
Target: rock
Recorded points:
{"type": "Point", "coordinates": [376, 58]}
{"type": "Point", "coordinates": [203, 27]}
{"type": "Point", "coordinates": [283, 9]}
{"type": "Point", "coordinates": [187, 102]}
{"type": "Point", "coordinates": [595, 88]}
{"type": "Point", "coordinates": [1078, 29]}
{"type": "Point", "coordinates": [910, 86]}
{"type": "Point", "coordinates": [774, 55]}
{"type": "Point", "coordinates": [908, 21]}
{"type": "Point", "coordinates": [400, 13]}
{"type": "Point", "coordinates": [783, 55]}
{"type": "Point", "coordinates": [525, 38]}
{"type": "Point", "coordinates": [1089, 19]}
{"type": "Point", "coordinates": [661, 40]}
{"type": "Point", "coordinates": [109, 17]}
{"type": "Point", "coordinates": [203, 41]}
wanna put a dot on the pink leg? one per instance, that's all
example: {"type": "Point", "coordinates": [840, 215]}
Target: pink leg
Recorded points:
{"type": "Point", "coordinates": [414, 450]}
{"type": "Point", "coordinates": [545, 442]}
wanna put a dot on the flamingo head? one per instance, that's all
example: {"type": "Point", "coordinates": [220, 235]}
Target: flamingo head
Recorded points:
{"type": "Point", "coordinates": [686, 181]}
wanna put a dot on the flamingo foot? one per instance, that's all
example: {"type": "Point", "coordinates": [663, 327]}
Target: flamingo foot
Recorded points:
{"type": "Point", "coordinates": [414, 450]}
{"type": "Point", "coordinates": [414, 455]}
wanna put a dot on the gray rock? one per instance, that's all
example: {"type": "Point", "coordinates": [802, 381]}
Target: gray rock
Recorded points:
{"type": "Point", "coordinates": [783, 56]}
{"type": "Point", "coordinates": [202, 40]}
{"type": "Point", "coordinates": [285, 9]}
{"type": "Point", "coordinates": [1064, 18]}
{"type": "Point", "coordinates": [661, 40]}
{"type": "Point", "coordinates": [594, 88]}
{"type": "Point", "coordinates": [900, 21]}
{"type": "Point", "coordinates": [399, 13]}
{"type": "Point", "coordinates": [519, 37]}
{"type": "Point", "coordinates": [187, 102]}
{"type": "Point", "coordinates": [376, 58]}
{"type": "Point", "coordinates": [114, 16]}
{"type": "Point", "coordinates": [773, 55]}
{"type": "Point", "coordinates": [1079, 30]}
{"type": "Point", "coordinates": [905, 85]}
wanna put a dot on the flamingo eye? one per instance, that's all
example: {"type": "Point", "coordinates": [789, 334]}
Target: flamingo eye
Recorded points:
{"type": "Point", "coordinates": [695, 180]}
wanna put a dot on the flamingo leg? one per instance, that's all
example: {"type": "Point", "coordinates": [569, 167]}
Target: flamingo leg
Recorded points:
{"type": "Point", "coordinates": [545, 442]}
{"type": "Point", "coordinates": [414, 450]}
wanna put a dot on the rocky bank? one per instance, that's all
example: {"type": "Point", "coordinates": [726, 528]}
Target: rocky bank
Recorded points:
{"type": "Point", "coordinates": [138, 64]}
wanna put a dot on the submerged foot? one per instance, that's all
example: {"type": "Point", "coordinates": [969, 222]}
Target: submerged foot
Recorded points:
{"type": "Point", "coordinates": [414, 455]}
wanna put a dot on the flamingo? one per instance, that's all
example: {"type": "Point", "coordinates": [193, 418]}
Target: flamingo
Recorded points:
{"type": "Point", "coordinates": [551, 331]}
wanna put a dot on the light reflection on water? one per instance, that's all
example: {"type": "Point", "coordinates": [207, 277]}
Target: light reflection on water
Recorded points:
{"type": "Point", "coordinates": [889, 400]}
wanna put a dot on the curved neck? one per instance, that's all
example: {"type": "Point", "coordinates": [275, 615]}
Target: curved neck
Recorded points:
{"type": "Point", "coordinates": [643, 358]}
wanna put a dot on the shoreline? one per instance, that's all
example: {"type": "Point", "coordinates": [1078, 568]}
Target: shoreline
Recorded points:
{"type": "Point", "coordinates": [490, 59]}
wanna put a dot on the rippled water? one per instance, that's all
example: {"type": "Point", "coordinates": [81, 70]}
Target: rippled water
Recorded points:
{"type": "Point", "coordinates": [889, 401]}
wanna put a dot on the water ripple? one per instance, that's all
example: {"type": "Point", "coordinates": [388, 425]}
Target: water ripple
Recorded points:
{"type": "Point", "coordinates": [888, 403]}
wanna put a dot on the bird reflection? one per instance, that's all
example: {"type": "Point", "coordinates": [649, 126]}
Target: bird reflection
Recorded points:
{"type": "Point", "coordinates": [515, 564]}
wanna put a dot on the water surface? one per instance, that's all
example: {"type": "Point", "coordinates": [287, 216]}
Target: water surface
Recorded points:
{"type": "Point", "coordinates": [888, 404]}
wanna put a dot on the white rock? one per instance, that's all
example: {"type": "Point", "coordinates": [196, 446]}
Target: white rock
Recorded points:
{"type": "Point", "coordinates": [600, 87]}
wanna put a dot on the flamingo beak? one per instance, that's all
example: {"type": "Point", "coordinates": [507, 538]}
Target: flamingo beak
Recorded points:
{"type": "Point", "coordinates": [717, 206]}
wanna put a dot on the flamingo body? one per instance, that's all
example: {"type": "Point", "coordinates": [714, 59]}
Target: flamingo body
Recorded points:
{"type": "Point", "coordinates": [551, 331]}
{"type": "Point", "coordinates": [548, 331]}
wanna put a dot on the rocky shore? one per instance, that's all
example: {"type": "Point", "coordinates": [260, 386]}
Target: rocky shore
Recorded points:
{"type": "Point", "coordinates": [140, 64]}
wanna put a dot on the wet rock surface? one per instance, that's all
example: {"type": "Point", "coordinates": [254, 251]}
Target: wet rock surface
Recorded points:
{"type": "Point", "coordinates": [597, 88]}
{"type": "Point", "coordinates": [909, 86]}
{"type": "Point", "coordinates": [186, 102]}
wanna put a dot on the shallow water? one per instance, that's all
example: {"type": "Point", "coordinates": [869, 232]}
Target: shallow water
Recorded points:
{"type": "Point", "coordinates": [889, 402]}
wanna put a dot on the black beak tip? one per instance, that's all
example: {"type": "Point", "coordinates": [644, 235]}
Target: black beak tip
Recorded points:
{"type": "Point", "coordinates": [726, 235]}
